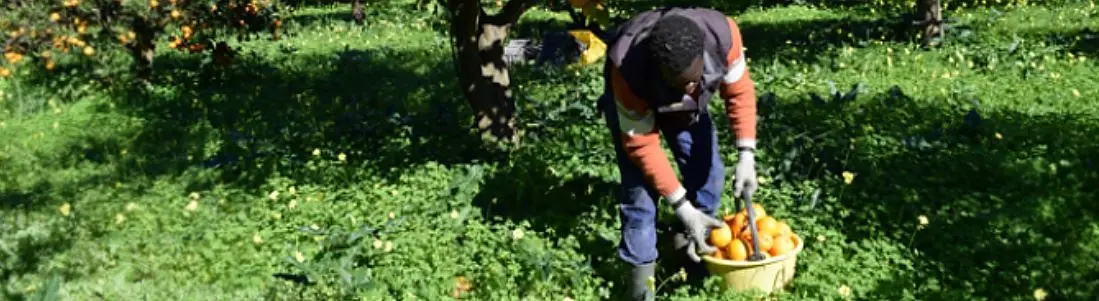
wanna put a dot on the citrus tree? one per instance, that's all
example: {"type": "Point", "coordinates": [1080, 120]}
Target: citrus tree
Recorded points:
{"type": "Point", "coordinates": [930, 16]}
{"type": "Point", "coordinates": [38, 32]}
{"type": "Point", "coordinates": [479, 38]}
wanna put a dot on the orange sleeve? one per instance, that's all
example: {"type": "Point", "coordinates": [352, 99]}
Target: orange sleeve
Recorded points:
{"type": "Point", "coordinates": [738, 91]}
{"type": "Point", "coordinates": [641, 139]}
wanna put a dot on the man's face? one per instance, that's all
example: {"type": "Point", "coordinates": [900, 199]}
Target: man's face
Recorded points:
{"type": "Point", "coordinates": [682, 109]}
{"type": "Point", "coordinates": [683, 81]}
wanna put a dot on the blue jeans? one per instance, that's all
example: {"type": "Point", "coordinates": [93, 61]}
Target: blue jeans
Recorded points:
{"type": "Point", "coordinates": [703, 175]}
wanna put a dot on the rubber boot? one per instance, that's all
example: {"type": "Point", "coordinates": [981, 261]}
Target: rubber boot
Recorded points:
{"type": "Point", "coordinates": [640, 277]}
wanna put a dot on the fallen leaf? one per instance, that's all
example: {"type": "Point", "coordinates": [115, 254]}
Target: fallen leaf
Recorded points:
{"type": "Point", "coordinates": [461, 287]}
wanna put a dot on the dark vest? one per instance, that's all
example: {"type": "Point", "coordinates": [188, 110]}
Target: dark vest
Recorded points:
{"type": "Point", "coordinates": [633, 60]}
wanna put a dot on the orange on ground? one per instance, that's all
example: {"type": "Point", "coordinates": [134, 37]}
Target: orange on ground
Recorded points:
{"type": "Point", "coordinates": [736, 250]}
{"type": "Point", "coordinates": [782, 245]}
{"type": "Point", "coordinates": [721, 236]}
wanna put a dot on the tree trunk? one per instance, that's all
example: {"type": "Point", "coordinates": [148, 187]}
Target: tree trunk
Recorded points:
{"type": "Point", "coordinates": [479, 41]}
{"type": "Point", "coordinates": [931, 18]}
{"type": "Point", "coordinates": [143, 46]}
{"type": "Point", "coordinates": [357, 11]}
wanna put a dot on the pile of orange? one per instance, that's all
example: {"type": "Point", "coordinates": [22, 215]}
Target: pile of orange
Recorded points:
{"type": "Point", "coordinates": [734, 239]}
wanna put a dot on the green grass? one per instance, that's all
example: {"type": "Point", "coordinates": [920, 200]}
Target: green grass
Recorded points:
{"type": "Point", "coordinates": [339, 153]}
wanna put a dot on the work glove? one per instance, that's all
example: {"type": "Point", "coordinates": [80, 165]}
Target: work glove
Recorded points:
{"type": "Point", "coordinates": [697, 225]}
{"type": "Point", "coordinates": [746, 181]}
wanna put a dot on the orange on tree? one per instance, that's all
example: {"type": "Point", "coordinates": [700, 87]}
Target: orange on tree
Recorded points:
{"type": "Point", "coordinates": [13, 57]}
{"type": "Point", "coordinates": [197, 47]}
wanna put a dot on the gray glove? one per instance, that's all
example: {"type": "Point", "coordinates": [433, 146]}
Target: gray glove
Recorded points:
{"type": "Point", "coordinates": [697, 225]}
{"type": "Point", "coordinates": [746, 182]}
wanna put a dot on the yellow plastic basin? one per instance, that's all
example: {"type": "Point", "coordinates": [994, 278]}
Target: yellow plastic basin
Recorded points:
{"type": "Point", "coordinates": [768, 275]}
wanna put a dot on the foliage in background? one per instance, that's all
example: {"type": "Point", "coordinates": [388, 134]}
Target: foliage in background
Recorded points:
{"type": "Point", "coordinates": [335, 164]}
{"type": "Point", "coordinates": [42, 33]}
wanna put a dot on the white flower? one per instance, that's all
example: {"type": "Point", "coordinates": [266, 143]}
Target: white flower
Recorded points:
{"type": "Point", "coordinates": [844, 291]}
{"type": "Point", "coordinates": [65, 209]}
{"type": "Point", "coordinates": [1040, 294]}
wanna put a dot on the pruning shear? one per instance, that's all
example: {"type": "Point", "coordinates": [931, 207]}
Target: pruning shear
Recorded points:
{"type": "Point", "coordinates": [756, 255]}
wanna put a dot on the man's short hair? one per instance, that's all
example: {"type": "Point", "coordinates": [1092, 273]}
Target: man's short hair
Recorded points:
{"type": "Point", "coordinates": [675, 41]}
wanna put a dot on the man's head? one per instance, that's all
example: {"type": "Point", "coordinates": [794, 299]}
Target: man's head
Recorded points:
{"type": "Point", "coordinates": [676, 44]}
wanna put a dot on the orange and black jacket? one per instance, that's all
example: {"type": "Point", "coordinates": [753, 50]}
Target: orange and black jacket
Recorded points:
{"type": "Point", "coordinates": [634, 82]}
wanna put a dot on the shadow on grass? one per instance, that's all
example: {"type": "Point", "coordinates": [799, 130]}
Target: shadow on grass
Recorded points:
{"type": "Point", "coordinates": [331, 16]}
{"type": "Point", "coordinates": [814, 40]}
{"type": "Point", "coordinates": [1079, 41]}
{"type": "Point", "coordinates": [549, 202]}
{"type": "Point", "coordinates": [808, 40]}
{"type": "Point", "coordinates": [342, 12]}
{"type": "Point", "coordinates": [390, 108]}
{"type": "Point", "coordinates": [31, 252]}
{"type": "Point", "coordinates": [1009, 195]}
{"type": "Point", "coordinates": [385, 109]}
{"type": "Point", "coordinates": [582, 206]}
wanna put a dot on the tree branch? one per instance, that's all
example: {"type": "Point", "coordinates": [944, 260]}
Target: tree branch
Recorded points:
{"type": "Point", "coordinates": [512, 10]}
